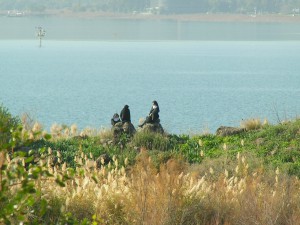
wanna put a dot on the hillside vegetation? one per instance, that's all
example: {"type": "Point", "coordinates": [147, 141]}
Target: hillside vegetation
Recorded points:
{"type": "Point", "coordinates": [275, 145]}
{"type": "Point", "coordinates": [88, 177]}
{"type": "Point", "coordinates": [155, 6]}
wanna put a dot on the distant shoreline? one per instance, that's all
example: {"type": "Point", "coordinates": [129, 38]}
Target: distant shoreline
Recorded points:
{"type": "Point", "coordinates": [204, 17]}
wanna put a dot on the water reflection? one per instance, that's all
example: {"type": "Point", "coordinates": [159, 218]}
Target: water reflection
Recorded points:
{"type": "Point", "coordinates": [139, 29]}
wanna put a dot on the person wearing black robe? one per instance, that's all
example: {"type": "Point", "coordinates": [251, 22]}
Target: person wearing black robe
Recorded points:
{"type": "Point", "coordinates": [153, 114]}
{"type": "Point", "coordinates": [125, 114]}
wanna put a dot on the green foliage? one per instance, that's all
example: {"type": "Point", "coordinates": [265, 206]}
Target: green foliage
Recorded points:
{"type": "Point", "coordinates": [197, 148]}
{"type": "Point", "coordinates": [8, 124]}
{"type": "Point", "coordinates": [20, 195]}
{"type": "Point", "coordinates": [151, 141]}
{"type": "Point", "coordinates": [278, 146]}
{"type": "Point", "coordinates": [69, 148]}
{"type": "Point", "coordinates": [53, 212]}
{"type": "Point", "coordinates": [18, 191]}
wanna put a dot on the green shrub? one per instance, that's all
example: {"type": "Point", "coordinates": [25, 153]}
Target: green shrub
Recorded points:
{"type": "Point", "coordinates": [8, 124]}
{"type": "Point", "coordinates": [151, 141]}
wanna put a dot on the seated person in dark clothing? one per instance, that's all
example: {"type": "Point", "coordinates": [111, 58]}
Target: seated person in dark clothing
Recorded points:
{"type": "Point", "coordinates": [153, 115]}
{"type": "Point", "coordinates": [115, 119]}
{"type": "Point", "coordinates": [125, 114]}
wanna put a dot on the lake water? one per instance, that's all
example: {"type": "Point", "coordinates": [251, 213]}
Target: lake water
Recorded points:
{"type": "Point", "coordinates": [129, 29]}
{"type": "Point", "coordinates": [199, 84]}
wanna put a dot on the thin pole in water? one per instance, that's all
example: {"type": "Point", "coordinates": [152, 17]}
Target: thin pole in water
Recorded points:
{"type": "Point", "coordinates": [40, 33]}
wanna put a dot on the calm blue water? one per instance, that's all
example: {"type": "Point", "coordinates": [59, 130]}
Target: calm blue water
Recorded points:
{"type": "Point", "coordinates": [198, 84]}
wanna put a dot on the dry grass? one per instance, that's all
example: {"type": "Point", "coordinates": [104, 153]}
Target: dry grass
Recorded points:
{"type": "Point", "coordinates": [253, 124]}
{"type": "Point", "coordinates": [34, 130]}
{"type": "Point", "coordinates": [105, 134]}
{"type": "Point", "coordinates": [217, 194]}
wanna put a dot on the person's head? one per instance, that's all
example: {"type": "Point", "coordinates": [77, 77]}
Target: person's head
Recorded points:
{"type": "Point", "coordinates": [155, 103]}
{"type": "Point", "coordinates": [126, 106]}
{"type": "Point", "coordinates": [116, 117]}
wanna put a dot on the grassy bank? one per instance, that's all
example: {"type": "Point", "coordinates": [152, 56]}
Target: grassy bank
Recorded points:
{"type": "Point", "coordinates": [87, 177]}
{"type": "Point", "coordinates": [276, 145]}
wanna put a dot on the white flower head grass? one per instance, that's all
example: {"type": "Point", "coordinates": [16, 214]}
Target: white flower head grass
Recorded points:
{"type": "Point", "coordinates": [226, 173]}
{"type": "Point", "coordinates": [237, 169]}
{"type": "Point", "coordinates": [242, 142]}
{"type": "Point", "coordinates": [202, 153]}
{"type": "Point", "coordinates": [31, 136]}
{"type": "Point", "coordinates": [238, 156]}
{"type": "Point", "coordinates": [277, 171]}
{"type": "Point", "coordinates": [200, 142]}
{"type": "Point", "coordinates": [42, 162]}
{"type": "Point", "coordinates": [102, 160]}
{"type": "Point", "coordinates": [67, 132]}
{"type": "Point", "coordinates": [37, 127]}
{"type": "Point", "coordinates": [73, 130]}
{"type": "Point", "coordinates": [243, 159]}
{"type": "Point", "coordinates": [64, 167]}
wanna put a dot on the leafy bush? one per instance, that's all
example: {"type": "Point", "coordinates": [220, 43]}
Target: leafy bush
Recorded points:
{"type": "Point", "coordinates": [151, 141]}
{"type": "Point", "coordinates": [8, 124]}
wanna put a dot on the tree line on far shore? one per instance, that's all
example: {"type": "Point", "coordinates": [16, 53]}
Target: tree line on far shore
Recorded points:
{"type": "Point", "coordinates": [156, 6]}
